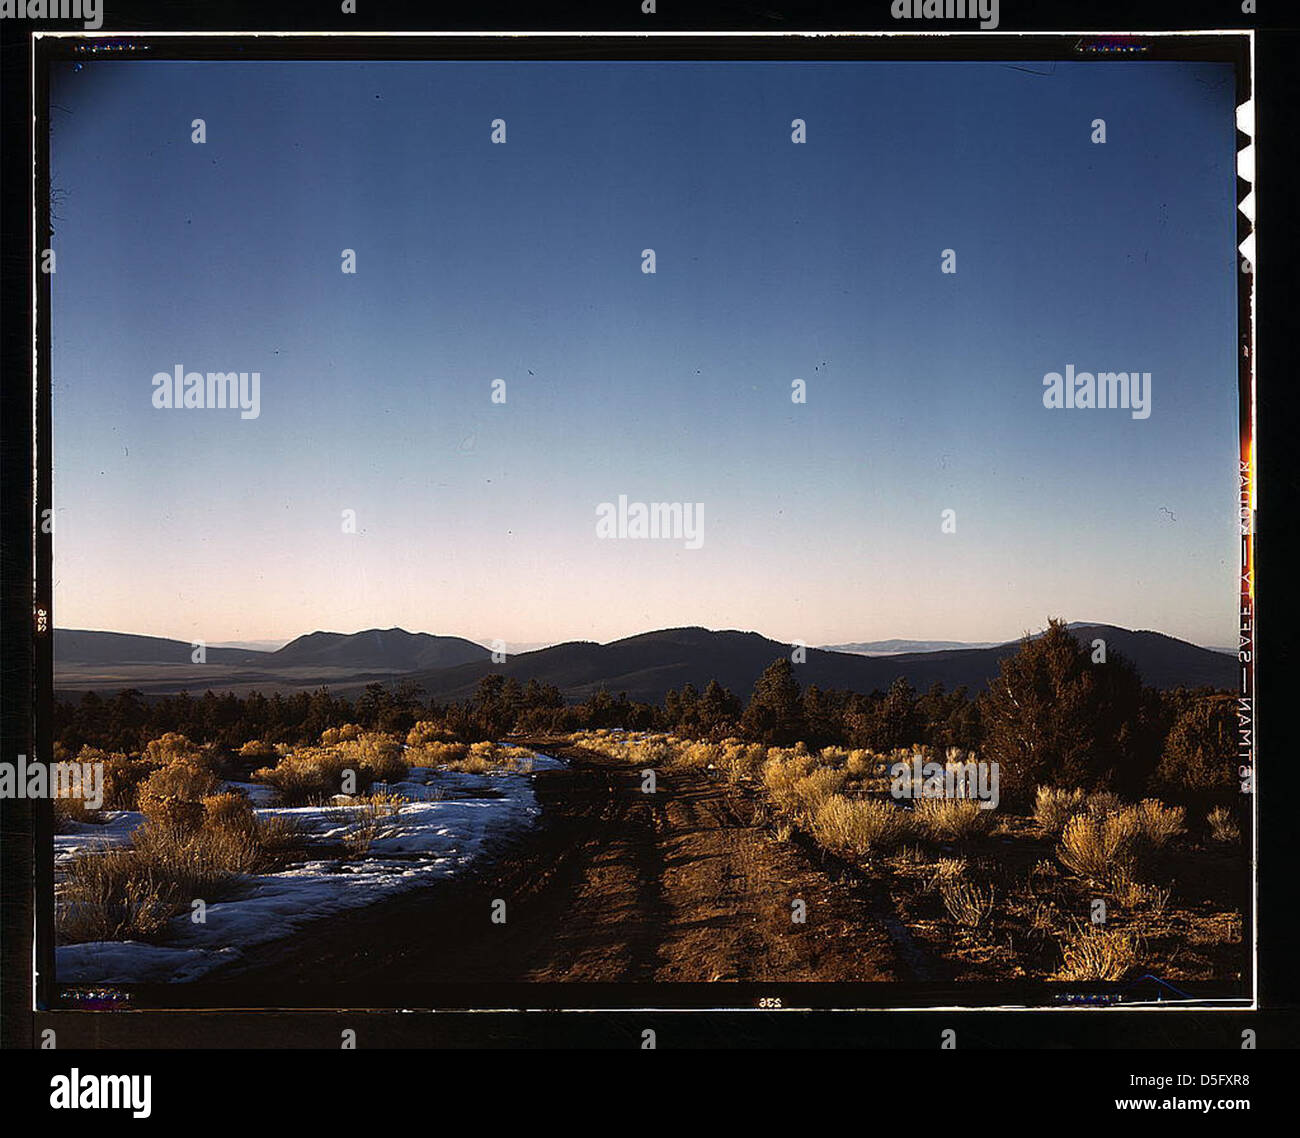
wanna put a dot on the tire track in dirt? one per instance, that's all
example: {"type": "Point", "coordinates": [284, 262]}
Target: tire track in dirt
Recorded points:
{"type": "Point", "coordinates": [615, 885]}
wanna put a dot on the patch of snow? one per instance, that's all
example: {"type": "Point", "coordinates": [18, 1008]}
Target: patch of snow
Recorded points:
{"type": "Point", "coordinates": [451, 818]}
{"type": "Point", "coordinates": [87, 837]}
{"type": "Point", "coordinates": [129, 961]}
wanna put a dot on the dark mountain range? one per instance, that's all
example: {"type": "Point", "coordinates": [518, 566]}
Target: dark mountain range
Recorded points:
{"type": "Point", "coordinates": [648, 665]}
{"type": "Point", "coordinates": [78, 646]}
{"type": "Point", "coordinates": [644, 666]}
{"type": "Point", "coordinates": [111, 661]}
{"type": "Point", "coordinates": [389, 649]}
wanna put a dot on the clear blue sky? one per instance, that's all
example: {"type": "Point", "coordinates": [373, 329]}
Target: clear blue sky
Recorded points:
{"type": "Point", "coordinates": [522, 261]}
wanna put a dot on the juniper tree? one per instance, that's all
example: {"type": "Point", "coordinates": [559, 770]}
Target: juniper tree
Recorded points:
{"type": "Point", "coordinates": [775, 711]}
{"type": "Point", "coordinates": [1053, 717]}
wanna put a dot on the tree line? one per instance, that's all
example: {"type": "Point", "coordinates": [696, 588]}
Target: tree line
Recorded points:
{"type": "Point", "coordinates": [1051, 716]}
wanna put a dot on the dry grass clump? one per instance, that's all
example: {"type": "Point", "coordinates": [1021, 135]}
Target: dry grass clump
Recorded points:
{"type": "Point", "coordinates": [306, 776]}
{"type": "Point", "coordinates": [1223, 827]}
{"type": "Point", "coordinates": [229, 810]}
{"type": "Point", "coordinates": [967, 904]}
{"type": "Point", "coordinates": [200, 862]}
{"type": "Point", "coordinates": [109, 896]}
{"type": "Point", "coordinates": [953, 819]}
{"type": "Point", "coordinates": [798, 787]}
{"type": "Point", "coordinates": [427, 731]}
{"type": "Point", "coordinates": [1159, 824]}
{"type": "Point", "coordinates": [734, 759]}
{"type": "Point", "coordinates": [840, 759]}
{"type": "Point", "coordinates": [313, 775]}
{"type": "Point", "coordinates": [812, 792]}
{"type": "Point", "coordinates": [333, 736]}
{"type": "Point", "coordinates": [369, 814]}
{"type": "Point", "coordinates": [949, 869]}
{"type": "Point", "coordinates": [652, 752]}
{"type": "Point", "coordinates": [646, 750]}
{"type": "Point", "coordinates": [122, 780]}
{"type": "Point", "coordinates": [696, 755]}
{"type": "Point", "coordinates": [1054, 806]}
{"type": "Point", "coordinates": [122, 775]}
{"type": "Point", "coordinates": [742, 761]}
{"type": "Point", "coordinates": [1044, 867]}
{"type": "Point", "coordinates": [69, 781]}
{"type": "Point", "coordinates": [1135, 894]}
{"type": "Point", "coordinates": [1093, 952]}
{"type": "Point", "coordinates": [173, 795]}
{"type": "Point", "coordinates": [171, 747]}
{"type": "Point", "coordinates": [779, 780]}
{"type": "Point", "coordinates": [1100, 848]}
{"type": "Point", "coordinates": [861, 826]}
{"type": "Point", "coordinates": [1105, 846]}
{"type": "Point", "coordinates": [256, 749]}
{"type": "Point", "coordinates": [860, 763]}
{"type": "Point", "coordinates": [176, 857]}
{"type": "Point", "coordinates": [471, 758]}
{"type": "Point", "coordinates": [375, 756]}
{"type": "Point", "coordinates": [435, 752]}
{"type": "Point", "coordinates": [923, 774]}
{"type": "Point", "coordinates": [1043, 916]}
{"type": "Point", "coordinates": [913, 856]}
{"type": "Point", "coordinates": [1104, 802]}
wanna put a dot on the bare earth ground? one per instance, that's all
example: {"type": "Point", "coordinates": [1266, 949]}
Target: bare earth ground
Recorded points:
{"type": "Point", "coordinates": [616, 885]}
{"type": "Point", "coordinates": [689, 885]}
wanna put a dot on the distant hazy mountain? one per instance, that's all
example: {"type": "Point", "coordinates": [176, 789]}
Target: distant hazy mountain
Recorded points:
{"type": "Point", "coordinates": [110, 661]}
{"type": "Point", "coordinates": [392, 649]}
{"type": "Point", "coordinates": [77, 646]}
{"type": "Point", "coordinates": [895, 647]}
{"type": "Point", "coordinates": [644, 666]}
{"type": "Point", "coordinates": [253, 645]}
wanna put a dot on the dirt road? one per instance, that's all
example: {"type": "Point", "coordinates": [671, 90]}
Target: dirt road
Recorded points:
{"type": "Point", "coordinates": [613, 885]}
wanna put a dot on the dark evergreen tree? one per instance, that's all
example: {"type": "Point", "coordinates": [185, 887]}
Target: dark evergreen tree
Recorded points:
{"type": "Point", "coordinates": [1054, 717]}
{"type": "Point", "coordinates": [775, 711]}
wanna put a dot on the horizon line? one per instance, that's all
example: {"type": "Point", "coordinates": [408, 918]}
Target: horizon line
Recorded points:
{"type": "Point", "coordinates": [238, 645]}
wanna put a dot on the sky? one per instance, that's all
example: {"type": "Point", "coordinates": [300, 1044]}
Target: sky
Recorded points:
{"type": "Point", "coordinates": [822, 521]}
